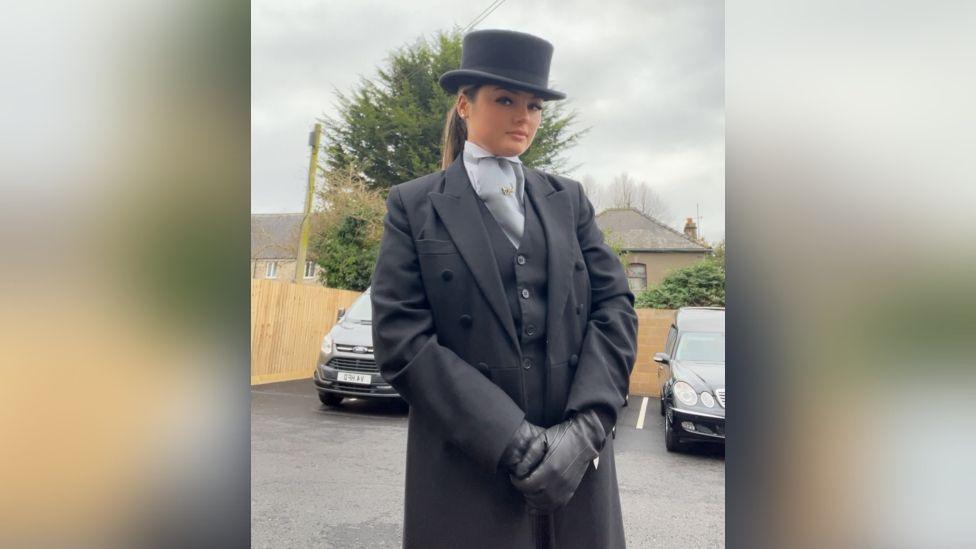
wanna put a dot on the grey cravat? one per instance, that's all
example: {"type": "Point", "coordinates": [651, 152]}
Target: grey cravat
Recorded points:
{"type": "Point", "coordinates": [496, 186]}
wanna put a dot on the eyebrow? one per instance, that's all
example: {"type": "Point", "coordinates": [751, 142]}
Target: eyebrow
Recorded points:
{"type": "Point", "coordinates": [516, 92]}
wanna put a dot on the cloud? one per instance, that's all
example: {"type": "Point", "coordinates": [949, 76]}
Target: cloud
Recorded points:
{"type": "Point", "coordinates": [647, 77]}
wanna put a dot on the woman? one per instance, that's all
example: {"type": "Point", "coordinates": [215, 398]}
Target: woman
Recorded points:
{"type": "Point", "coordinates": [506, 322]}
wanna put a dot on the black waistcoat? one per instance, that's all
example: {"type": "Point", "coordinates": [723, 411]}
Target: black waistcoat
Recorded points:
{"type": "Point", "coordinates": [524, 275]}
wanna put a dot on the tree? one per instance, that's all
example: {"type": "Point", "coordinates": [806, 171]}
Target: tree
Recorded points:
{"type": "Point", "coordinates": [613, 241]}
{"type": "Point", "coordinates": [593, 191]}
{"type": "Point", "coordinates": [391, 127]}
{"type": "Point", "coordinates": [718, 254]}
{"type": "Point", "coordinates": [701, 285]}
{"type": "Point", "coordinates": [627, 192]}
{"type": "Point", "coordinates": [347, 232]}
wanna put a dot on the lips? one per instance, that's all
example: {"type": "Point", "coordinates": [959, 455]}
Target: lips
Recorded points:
{"type": "Point", "coordinates": [519, 134]}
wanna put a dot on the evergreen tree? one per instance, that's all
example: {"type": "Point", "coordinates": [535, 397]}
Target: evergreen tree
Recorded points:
{"type": "Point", "coordinates": [391, 127]}
{"type": "Point", "coordinates": [700, 285]}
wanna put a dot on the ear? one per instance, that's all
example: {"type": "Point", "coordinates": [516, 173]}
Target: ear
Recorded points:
{"type": "Point", "coordinates": [462, 106]}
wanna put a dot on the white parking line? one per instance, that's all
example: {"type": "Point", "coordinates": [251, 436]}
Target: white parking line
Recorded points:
{"type": "Point", "coordinates": [640, 417]}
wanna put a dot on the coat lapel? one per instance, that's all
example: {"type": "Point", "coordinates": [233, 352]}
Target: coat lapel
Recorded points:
{"type": "Point", "coordinates": [458, 209]}
{"type": "Point", "coordinates": [556, 214]}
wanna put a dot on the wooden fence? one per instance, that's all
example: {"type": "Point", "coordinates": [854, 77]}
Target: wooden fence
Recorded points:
{"type": "Point", "coordinates": [288, 322]}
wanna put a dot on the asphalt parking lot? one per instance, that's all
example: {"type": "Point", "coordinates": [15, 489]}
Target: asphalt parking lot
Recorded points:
{"type": "Point", "coordinates": [333, 477]}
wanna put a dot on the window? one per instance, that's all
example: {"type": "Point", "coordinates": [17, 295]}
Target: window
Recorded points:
{"type": "Point", "coordinates": [309, 269]}
{"type": "Point", "coordinates": [272, 271]}
{"type": "Point", "coordinates": [672, 335]}
{"type": "Point", "coordinates": [361, 310]}
{"type": "Point", "coordinates": [701, 347]}
{"type": "Point", "coordinates": [637, 276]}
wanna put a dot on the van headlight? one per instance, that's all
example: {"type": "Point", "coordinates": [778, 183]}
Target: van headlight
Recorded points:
{"type": "Point", "coordinates": [685, 393]}
{"type": "Point", "coordinates": [327, 343]}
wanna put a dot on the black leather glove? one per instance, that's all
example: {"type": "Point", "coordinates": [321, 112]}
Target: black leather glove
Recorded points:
{"type": "Point", "coordinates": [570, 448]}
{"type": "Point", "coordinates": [525, 450]}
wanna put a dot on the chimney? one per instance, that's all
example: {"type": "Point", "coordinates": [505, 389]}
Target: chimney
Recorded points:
{"type": "Point", "coordinates": [691, 230]}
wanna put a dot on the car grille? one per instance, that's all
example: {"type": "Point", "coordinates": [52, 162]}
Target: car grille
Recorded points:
{"type": "Point", "coordinates": [355, 388]}
{"type": "Point", "coordinates": [354, 364]}
{"type": "Point", "coordinates": [721, 396]}
{"type": "Point", "coordinates": [351, 348]}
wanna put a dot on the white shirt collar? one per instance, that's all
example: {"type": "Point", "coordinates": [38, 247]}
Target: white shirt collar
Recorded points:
{"type": "Point", "coordinates": [478, 153]}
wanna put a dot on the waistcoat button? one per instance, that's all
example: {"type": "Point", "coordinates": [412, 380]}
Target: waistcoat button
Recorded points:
{"type": "Point", "coordinates": [465, 320]}
{"type": "Point", "coordinates": [520, 259]}
{"type": "Point", "coordinates": [527, 363]}
{"type": "Point", "coordinates": [530, 330]}
{"type": "Point", "coordinates": [573, 360]}
{"type": "Point", "coordinates": [447, 274]}
{"type": "Point", "coordinates": [525, 293]}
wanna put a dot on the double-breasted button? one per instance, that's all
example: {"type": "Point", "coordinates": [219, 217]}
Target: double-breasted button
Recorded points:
{"type": "Point", "coordinates": [573, 360]}
{"type": "Point", "coordinates": [527, 363]}
{"type": "Point", "coordinates": [579, 308]}
{"type": "Point", "coordinates": [520, 259]}
{"type": "Point", "coordinates": [530, 330]}
{"type": "Point", "coordinates": [465, 320]}
{"type": "Point", "coordinates": [525, 293]}
{"type": "Point", "coordinates": [447, 274]}
{"type": "Point", "coordinates": [579, 265]}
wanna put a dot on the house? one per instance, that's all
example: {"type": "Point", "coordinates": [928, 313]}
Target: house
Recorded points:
{"type": "Point", "coordinates": [274, 248]}
{"type": "Point", "coordinates": [653, 248]}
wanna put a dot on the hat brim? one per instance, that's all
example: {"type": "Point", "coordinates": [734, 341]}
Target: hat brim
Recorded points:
{"type": "Point", "coordinates": [452, 80]}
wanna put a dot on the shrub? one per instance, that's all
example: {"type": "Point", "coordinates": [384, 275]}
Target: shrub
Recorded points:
{"type": "Point", "coordinates": [700, 285]}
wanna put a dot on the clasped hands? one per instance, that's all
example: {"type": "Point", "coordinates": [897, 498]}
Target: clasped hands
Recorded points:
{"type": "Point", "coordinates": [547, 465]}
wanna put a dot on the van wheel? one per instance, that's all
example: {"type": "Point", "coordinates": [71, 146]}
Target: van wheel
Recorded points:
{"type": "Point", "coordinates": [330, 399]}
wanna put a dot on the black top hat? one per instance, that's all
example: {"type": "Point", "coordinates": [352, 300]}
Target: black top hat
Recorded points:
{"type": "Point", "coordinates": [504, 57]}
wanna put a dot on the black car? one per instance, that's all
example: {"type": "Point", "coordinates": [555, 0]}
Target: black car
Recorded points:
{"type": "Point", "coordinates": [692, 374]}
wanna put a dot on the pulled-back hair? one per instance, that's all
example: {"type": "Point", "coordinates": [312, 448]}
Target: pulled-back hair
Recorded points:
{"type": "Point", "coordinates": [455, 128]}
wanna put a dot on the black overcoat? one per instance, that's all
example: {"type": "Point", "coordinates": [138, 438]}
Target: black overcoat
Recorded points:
{"type": "Point", "coordinates": [462, 377]}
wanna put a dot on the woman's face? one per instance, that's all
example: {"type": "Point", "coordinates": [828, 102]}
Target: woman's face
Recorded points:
{"type": "Point", "coordinates": [500, 120]}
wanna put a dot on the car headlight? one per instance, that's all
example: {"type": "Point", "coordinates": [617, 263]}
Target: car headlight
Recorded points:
{"type": "Point", "coordinates": [685, 393]}
{"type": "Point", "coordinates": [707, 399]}
{"type": "Point", "coordinates": [327, 343]}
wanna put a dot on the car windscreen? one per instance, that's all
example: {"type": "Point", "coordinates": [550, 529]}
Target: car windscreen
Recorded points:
{"type": "Point", "coordinates": [361, 310]}
{"type": "Point", "coordinates": [701, 347]}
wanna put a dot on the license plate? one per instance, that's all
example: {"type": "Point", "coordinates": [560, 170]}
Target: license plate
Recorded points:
{"type": "Point", "coordinates": [363, 379]}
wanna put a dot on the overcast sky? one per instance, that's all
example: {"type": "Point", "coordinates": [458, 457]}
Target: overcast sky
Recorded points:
{"type": "Point", "coordinates": [646, 76]}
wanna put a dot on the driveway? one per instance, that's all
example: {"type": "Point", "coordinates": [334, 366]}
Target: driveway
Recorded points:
{"type": "Point", "coordinates": [333, 478]}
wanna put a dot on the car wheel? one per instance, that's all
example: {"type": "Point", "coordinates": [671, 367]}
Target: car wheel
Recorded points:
{"type": "Point", "coordinates": [330, 399]}
{"type": "Point", "coordinates": [671, 437]}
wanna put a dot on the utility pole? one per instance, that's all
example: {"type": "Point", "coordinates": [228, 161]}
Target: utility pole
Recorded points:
{"type": "Point", "coordinates": [314, 138]}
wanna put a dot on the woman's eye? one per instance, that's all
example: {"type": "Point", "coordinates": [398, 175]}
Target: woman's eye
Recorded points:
{"type": "Point", "coordinates": [504, 101]}
{"type": "Point", "coordinates": [536, 106]}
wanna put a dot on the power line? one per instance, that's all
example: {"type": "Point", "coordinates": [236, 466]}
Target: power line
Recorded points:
{"type": "Point", "coordinates": [484, 13]}
{"type": "Point", "coordinates": [477, 19]}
